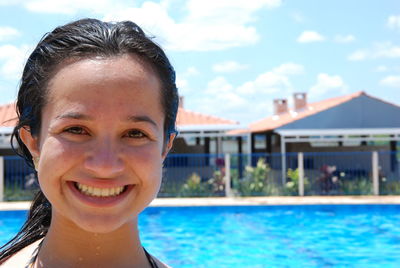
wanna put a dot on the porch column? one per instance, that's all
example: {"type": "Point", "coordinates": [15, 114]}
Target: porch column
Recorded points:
{"type": "Point", "coordinates": [249, 149]}
{"type": "Point", "coordinates": [240, 156]}
{"type": "Point", "coordinates": [228, 189]}
{"type": "Point", "coordinates": [375, 173]}
{"type": "Point", "coordinates": [300, 167]}
{"type": "Point", "coordinates": [1, 179]}
{"type": "Point", "coordinates": [219, 145]}
{"type": "Point", "coordinates": [283, 159]}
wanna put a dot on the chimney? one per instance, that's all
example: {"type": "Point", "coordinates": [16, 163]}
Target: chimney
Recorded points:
{"type": "Point", "coordinates": [280, 106]}
{"type": "Point", "coordinates": [181, 99]}
{"type": "Point", "coordinates": [300, 101]}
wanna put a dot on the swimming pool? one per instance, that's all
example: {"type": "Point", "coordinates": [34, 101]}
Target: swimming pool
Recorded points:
{"type": "Point", "coordinates": [264, 236]}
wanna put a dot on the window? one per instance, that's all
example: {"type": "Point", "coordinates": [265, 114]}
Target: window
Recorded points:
{"type": "Point", "coordinates": [260, 141]}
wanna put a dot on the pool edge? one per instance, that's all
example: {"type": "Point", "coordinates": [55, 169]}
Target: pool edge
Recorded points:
{"type": "Point", "coordinates": [246, 201]}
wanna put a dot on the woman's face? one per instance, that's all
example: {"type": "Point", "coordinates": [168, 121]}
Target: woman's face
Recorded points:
{"type": "Point", "coordinates": [101, 142]}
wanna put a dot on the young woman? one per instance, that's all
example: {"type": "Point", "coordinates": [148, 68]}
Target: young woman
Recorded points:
{"type": "Point", "coordinates": [97, 107]}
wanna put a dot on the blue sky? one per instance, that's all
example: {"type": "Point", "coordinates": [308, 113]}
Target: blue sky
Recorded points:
{"type": "Point", "coordinates": [233, 57]}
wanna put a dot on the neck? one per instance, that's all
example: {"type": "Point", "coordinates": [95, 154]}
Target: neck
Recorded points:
{"type": "Point", "coordinates": [67, 245]}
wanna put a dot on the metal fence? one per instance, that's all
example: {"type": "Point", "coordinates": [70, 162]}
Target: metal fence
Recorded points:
{"type": "Point", "coordinates": [19, 180]}
{"type": "Point", "coordinates": [192, 175]}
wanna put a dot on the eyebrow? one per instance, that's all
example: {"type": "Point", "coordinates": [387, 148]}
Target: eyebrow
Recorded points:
{"type": "Point", "coordinates": [132, 118]}
{"type": "Point", "coordinates": [142, 118]}
{"type": "Point", "coordinates": [73, 115]}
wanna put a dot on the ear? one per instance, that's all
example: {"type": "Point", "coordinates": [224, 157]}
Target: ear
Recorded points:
{"type": "Point", "coordinates": [31, 142]}
{"type": "Point", "coordinates": [168, 145]}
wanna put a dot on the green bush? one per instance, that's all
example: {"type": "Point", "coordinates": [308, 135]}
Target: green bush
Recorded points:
{"type": "Point", "coordinates": [292, 185]}
{"type": "Point", "coordinates": [389, 187]}
{"type": "Point", "coordinates": [17, 194]}
{"type": "Point", "coordinates": [216, 185]}
{"type": "Point", "coordinates": [169, 189]}
{"type": "Point", "coordinates": [357, 186]}
{"type": "Point", "coordinates": [193, 187]}
{"type": "Point", "coordinates": [257, 181]}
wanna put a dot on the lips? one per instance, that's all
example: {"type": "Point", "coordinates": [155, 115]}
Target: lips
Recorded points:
{"type": "Point", "coordinates": [100, 197]}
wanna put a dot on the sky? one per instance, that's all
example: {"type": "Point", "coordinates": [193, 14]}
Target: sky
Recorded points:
{"type": "Point", "coordinates": [234, 57]}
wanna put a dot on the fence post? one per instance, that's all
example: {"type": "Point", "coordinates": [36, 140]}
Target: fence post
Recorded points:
{"type": "Point", "coordinates": [283, 160]}
{"type": "Point", "coordinates": [300, 166]}
{"type": "Point", "coordinates": [228, 189]}
{"type": "Point", "coordinates": [1, 179]}
{"type": "Point", "coordinates": [375, 172]}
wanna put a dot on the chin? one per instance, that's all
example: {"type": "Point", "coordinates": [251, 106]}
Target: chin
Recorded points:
{"type": "Point", "coordinates": [102, 225]}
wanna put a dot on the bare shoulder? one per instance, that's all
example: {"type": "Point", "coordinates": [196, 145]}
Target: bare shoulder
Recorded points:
{"type": "Point", "coordinates": [22, 257]}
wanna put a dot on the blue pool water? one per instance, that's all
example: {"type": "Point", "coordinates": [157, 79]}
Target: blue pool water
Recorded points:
{"type": "Point", "coordinates": [264, 236]}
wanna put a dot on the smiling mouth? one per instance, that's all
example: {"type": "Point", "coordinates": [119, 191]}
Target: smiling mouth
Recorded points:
{"type": "Point", "coordinates": [99, 192]}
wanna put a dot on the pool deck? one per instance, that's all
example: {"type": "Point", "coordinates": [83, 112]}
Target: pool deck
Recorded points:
{"type": "Point", "coordinates": [248, 201]}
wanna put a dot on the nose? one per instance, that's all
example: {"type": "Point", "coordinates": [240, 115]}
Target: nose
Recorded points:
{"type": "Point", "coordinates": [104, 159]}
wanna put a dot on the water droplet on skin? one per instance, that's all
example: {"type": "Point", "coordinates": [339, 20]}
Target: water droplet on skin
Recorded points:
{"type": "Point", "coordinates": [98, 247]}
{"type": "Point", "coordinates": [80, 259]}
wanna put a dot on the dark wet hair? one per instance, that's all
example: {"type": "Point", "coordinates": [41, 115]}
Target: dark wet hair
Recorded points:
{"type": "Point", "coordinates": [82, 39]}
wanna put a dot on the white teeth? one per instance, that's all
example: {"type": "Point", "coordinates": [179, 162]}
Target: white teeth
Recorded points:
{"type": "Point", "coordinates": [104, 192]}
{"type": "Point", "coordinates": [96, 191]}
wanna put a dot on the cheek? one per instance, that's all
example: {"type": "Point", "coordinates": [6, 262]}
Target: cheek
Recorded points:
{"type": "Point", "coordinates": [56, 152]}
{"type": "Point", "coordinates": [55, 158]}
{"type": "Point", "coordinates": [147, 161]}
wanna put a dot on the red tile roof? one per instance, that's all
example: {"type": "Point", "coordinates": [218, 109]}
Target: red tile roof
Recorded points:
{"type": "Point", "coordinates": [186, 117]}
{"type": "Point", "coordinates": [276, 121]}
{"type": "Point", "coordinates": [8, 117]}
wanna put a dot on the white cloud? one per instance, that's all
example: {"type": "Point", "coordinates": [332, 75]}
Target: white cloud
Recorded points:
{"type": "Point", "coordinates": [202, 8]}
{"type": "Point", "coordinates": [209, 25]}
{"type": "Point", "coordinates": [358, 55]}
{"type": "Point", "coordinates": [310, 36]}
{"type": "Point", "coordinates": [327, 84]}
{"type": "Point", "coordinates": [228, 67]}
{"type": "Point", "coordinates": [192, 71]}
{"type": "Point", "coordinates": [219, 85]}
{"type": "Point", "coordinates": [10, 2]}
{"type": "Point", "coordinates": [379, 50]}
{"type": "Point", "coordinates": [183, 86]}
{"type": "Point", "coordinates": [183, 79]}
{"type": "Point", "coordinates": [266, 83]}
{"type": "Point", "coordinates": [289, 69]}
{"type": "Point", "coordinates": [382, 68]}
{"type": "Point", "coordinates": [221, 97]}
{"type": "Point", "coordinates": [272, 81]}
{"type": "Point", "coordinates": [8, 32]}
{"type": "Point", "coordinates": [391, 81]}
{"type": "Point", "coordinates": [393, 22]}
{"type": "Point", "coordinates": [220, 91]}
{"type": "Point", "coordinates": [344, 38]}
{"type": "Point", "coordinates": [386, 50]}
{"type": "Point", "coordinates": [12, 60]}
{"type": "Point", "coordinates": [237, 10]}
{"type": "Point", "coordinates": [181, 83]}
{"type": "Point", "coordinates": [297, 17]}
{"type": "Point", "coordinates": [68, 7]}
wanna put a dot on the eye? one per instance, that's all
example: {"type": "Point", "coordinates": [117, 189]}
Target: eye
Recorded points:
{"type": "Point", "coordinates": [76, 130]}
{"type": "Point", "coordinates": [136, 134]}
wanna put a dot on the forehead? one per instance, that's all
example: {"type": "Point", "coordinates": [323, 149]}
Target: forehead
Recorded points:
{"type": "Point", "coordinates": [98, 83]}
